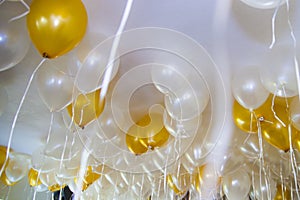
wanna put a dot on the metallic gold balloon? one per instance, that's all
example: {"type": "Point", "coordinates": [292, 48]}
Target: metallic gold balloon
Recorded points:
{"type": "Point", "coordinates": [56, 187]}
{"type": "Point", "coordinates": [243, 119]}
{"type": "Point", "coordinates": [56, 26]}
{"type": "Point", "coordinates": [86, 108]}
{"type": "Point", "coordinates": [282, 193]}
{"type": "Point", "coordinates": [33, 178]}
{"type": "Point", "coordinates": [180, 183]}
{"type": "Point", "coordinates": [6, 181]}
{"type": "Point", "coordinates": [89, 178]}
{"type": "Point", "coordinates": [147, 134]}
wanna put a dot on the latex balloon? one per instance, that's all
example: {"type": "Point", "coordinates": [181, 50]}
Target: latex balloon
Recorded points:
{"type": "Point", "coordinates": [295, 113]}
{"type": "Point", "coordinates": [86, 108]}
{"type": "Point", "coordinates": [243, 119]}
{"type": "Point", "coordinates": [264, 187]}
{"type": "Point", "coordinates": [278, 74]}
{"type": "Point", "coordinates": [55, 187]}
{"type": "Point", "coordinates": [182, 129]}
{"type": "Point", "coordinates": [17, 167]}
{"type": "Point", "coordinates": [282, 193]}
{"type": "Point", "coordinates": [247, 88]}
{"type": "Point", "coordinates": [6, 181]}
{"type": "Point", "coordinates": [51, 81]}
{"type": "Point", "coordinates": [56, 27]}
{"type": "Point", "coordinates": [3, 99]}
{"type": "Point", "coordinates": [147, 134]}
{"type": "Point", "coordinates": [14, 40]}
{"type": "Point", "coordinates": [264, 4]}
{"type": "Point", "coordinates": [236, 185]}
{"type": "Point", "coordinates": [94, 66]}
{"type": "Point", "coordinates": [206, 178]}
{"type": "Point", "coordinates": [179, 182]}
{"type": "Point", "coordinates": [89, 178]}
{"type": "Point", "coordinates": [33, 178]}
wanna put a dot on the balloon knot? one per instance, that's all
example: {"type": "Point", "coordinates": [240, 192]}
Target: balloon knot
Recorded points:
{"type": "Point", "coordinates": [261, 119]}
{"type": "Point", "coordinates": [45, 55]}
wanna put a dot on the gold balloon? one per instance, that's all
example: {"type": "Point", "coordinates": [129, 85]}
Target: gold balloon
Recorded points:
{"type": "Point", "coordinates": [243, 119]}
{"type": "Point", "coordinates": [282, 193]}
{"type": "Point", "coordinates": [56, 26]}
{"type": "Point", "coordinates": [274, 127]}
{"type": "Point", "coordinates": [180, 182]}
{"type": "Point", "coordinates": [147, 134]}
{"type": "Point", "coordinates": [205, 173]}
{"type": "Point", "coordinates": [89, 178]}
{"type": "Point", "coordinates": [86, 108]}
{"type": "Point", "coordinates": [33, 178]}
{"type": "Point", "coordinates": [6, 181]}
{"type": "Point", "coordinates": [56, 187]}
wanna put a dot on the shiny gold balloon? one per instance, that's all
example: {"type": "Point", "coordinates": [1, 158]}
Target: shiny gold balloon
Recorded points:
{"type": "Point", "coordinates": [56, 26]}
{"type": "Point", "coordinates": [56, 187]}
{"type": "Point", "coordinates": [6, 181]}
{"type": "Point", "coordinates": [147, 134]}
{"type": "Point", "coordinates": [86, 108]}
{"type": "Point", "coordinates": [282, 193]}
{"type": "Point", "coordinates": [33, 178]}
{"type": "Point", "coordinates": [243, 119]}
{"type": "Point", "coordinates": [89, 178]}
{"type": "Point", "coordinates": [274, 123]}
{"type": "Point", "coordinates": [179, 183]}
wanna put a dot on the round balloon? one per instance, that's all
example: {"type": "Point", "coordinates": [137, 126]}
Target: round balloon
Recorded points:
{"type": "Point", "coordinates": [56, 27]}
{"type": "Point", "coordinates": [264, 4]}
{"type": "Point", "coordinates": [14, 40]}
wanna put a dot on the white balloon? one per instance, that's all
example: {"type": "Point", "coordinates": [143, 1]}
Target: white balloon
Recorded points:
{"type": "Point", "coordinates": [248, 89]}
{"type": "Point", "coordinates": [17, 167]}
{"type": "Point", "coordinates": [278, 74]}
{"type": "Point", "coordinates": [94, 67]}
{"type": "Point", "coordinates": [264, 4]}
{"type": "Point", "coordinates": [14, 40]}
{"type": "Point", "coordinates": [54, 86]}
{"type": "Point", "coordinates": [236, 185]}
{"type": "Point", "coordinates": [264, 186]}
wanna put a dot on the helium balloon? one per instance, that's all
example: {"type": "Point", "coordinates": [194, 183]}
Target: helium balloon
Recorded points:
{"type": "Point", "coordinates": [89, 178]}
{"type": "Point", "coordinates": [263, 186]}
{"type": "Point", "coordinates": [6, 181]}
{"type": "Point", "coordinates": [282, 193]}
{"type": "Point", "coordinates": [295, 113]}
{"type": "Point", "coordinates": [264, 4]}
{"type": "Point", "coordinates": [278, 74]}
{"type": "Point", "coordinates": [33, 178]}
{"type": "Point", "coordinates": [206, 178]}
{"type": "Point", "coordinates": [86, 108]}
{"type": "Point", "coordinates": [17, 167]}
{"type": "Point", "coordinates": [14, 40]}
{"type": "Point", "coordinates": [236, 185]}
{"type": "Point", "coordinates": [55, 187]}
{"type": "Point", "coordinates": [180, 182]}
{"type": "Point", "coordinates": [56, 27]}
{"type": "Point", "coordinates": [248, 90]}
{"type": "Point", "coordinates": [52, 80]}
{"type": "Point", "coordinates": [243, 119]}
{"type": "Point", "coordinates": [148, 133]}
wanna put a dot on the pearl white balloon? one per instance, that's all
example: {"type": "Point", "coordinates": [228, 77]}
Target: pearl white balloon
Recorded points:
{"type": "Point", "coordinates": [17, 167]}
{"type": "Point", "coordinates": [55, 87]}
{"type": "Point", "coordinates": [236, 185]}
{"type": "Point", "coordinates": [247, 88]}
{"type": "Point", "coordinates": [14, 40]}
{"type": "Point", "coordinates": [264, 4]}
{"type": "Point", "coordinates": [264, 186]}
{"type": "Point", "coordinates": [278, 73]}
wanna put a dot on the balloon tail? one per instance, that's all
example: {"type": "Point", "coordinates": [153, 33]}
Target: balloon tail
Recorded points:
{"type": "Point", "coordinates": [23, 14]}
{"type": "Point", "coordinates": [113, 51]}
{"type": "Point", "coordinates": [272, 108]}
{"type": "Point", "coordinates": [292, 159]}
{"type": "Point", "coordinates": [17, 115]}
{"type": "Point", "coordinates": [273, 26]}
